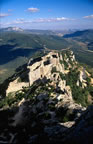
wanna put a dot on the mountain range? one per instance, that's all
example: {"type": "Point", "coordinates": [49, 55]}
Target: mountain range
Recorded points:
{"type": "Point", "coordinates": [37, 31]}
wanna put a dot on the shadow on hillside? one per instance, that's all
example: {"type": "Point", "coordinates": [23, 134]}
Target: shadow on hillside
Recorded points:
{"type": "Point", "coordinates": [7, 53]}
{"type": "Point", "coordinates": [26, 133]}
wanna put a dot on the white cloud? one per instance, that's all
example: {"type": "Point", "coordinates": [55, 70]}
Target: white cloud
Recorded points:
{"type": "Point", "coordinates": [4, 15]}
{"type": "Point", "coordinates": [33, 10]}
{"type": "Point", "coordinates": [40, 20]}
{"type": "Point", "coordinates": [88, 17]}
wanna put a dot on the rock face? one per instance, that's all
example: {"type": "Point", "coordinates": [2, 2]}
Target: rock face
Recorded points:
{"type": "Point", "coordinates": [48, 66]}
{"type": "Point", "coordinates": [43, 67]}
{"type": "Point", "coordinates": [15, 86]}
{"type": "Point", "coordinates": [51, 67]}
{"type": "Point", "coordinates": [38, 69]}
{"type": "Point", "coordinates": [83, 78]}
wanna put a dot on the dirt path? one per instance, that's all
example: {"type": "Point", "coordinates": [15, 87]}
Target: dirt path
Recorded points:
{"type": "Point", "coordinates": [47, 49]}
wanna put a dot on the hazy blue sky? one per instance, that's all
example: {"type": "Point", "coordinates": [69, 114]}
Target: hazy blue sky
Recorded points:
{"type": "Point", "coordinates": [47, 14]}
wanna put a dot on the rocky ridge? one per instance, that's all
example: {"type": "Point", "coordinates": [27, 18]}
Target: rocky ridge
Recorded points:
{"type": "Point", "coordinates": [43, 67]}
{"type": "Point", "coordinates": [45, 106]}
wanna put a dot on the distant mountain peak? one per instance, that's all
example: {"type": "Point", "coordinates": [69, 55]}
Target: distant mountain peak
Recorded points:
{"type": "Point", "coordinates": [16, 29]}
{"type": "Point", "coordinates": [12, 29]}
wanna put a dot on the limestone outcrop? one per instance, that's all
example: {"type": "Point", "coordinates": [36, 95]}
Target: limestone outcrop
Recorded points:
{"type": "Point", "coordinates": [16, 86]}
{"type": "Point", "coordinates": [54, 67]}
{"type": "Point", "coordinates": [43, 67]}
{"type": "Point", "coordinates": [48, 66]}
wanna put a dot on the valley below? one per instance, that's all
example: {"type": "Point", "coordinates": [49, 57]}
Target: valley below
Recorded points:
{"type": "Point", "coordinates": [16, 48]}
